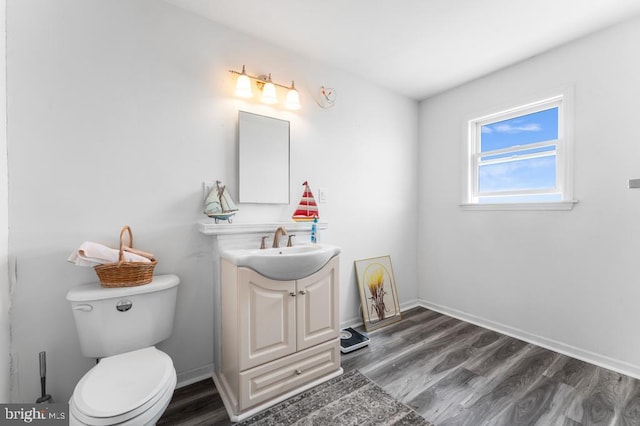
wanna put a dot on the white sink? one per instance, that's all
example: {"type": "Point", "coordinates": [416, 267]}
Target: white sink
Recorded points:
{"type": "Point", "coordinates": [285, 263]}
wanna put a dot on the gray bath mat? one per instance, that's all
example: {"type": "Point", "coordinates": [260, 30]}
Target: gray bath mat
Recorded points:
{"type": "Point", "coordinates": [350, 399]}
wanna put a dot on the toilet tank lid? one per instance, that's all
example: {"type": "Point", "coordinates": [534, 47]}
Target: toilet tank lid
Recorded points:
{"type": "Point", "coordinates": [94, 291]}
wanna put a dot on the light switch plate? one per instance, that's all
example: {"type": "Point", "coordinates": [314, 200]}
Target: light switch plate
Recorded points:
{"type": "Point", "coordinates": [322, 195]}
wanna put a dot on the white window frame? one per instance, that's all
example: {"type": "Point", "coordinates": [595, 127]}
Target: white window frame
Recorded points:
{"type": "Point", "coordinates": [563, 100]}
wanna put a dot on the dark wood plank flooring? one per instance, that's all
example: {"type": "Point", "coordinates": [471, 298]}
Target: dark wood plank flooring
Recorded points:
{"type": "Point", "coordinates": [455, 373]}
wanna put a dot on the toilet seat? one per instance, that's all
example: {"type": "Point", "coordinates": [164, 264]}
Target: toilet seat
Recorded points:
{"type": "Point", "coordinates": [123, 387]}
{"type": "Point", "coordinates": [149, 417]}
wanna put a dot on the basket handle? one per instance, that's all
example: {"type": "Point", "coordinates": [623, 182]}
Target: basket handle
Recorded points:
{"type": "Point", "coordinates": [122, 244]}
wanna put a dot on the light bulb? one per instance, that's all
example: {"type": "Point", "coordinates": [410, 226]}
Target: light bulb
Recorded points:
{"type": "Point", "coordinates": [269, 92]}
{"type": "Point", "coordinates": [243, 85]}
{"type": "Point", "coordinates": [293, 98]}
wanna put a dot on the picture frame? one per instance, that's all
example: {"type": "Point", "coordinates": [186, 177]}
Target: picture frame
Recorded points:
{"type": "Point", "coordinates": [378, 294]}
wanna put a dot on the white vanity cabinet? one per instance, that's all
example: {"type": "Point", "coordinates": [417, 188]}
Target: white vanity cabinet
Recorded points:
{"type": "Point", "coordinates": [276, 336]}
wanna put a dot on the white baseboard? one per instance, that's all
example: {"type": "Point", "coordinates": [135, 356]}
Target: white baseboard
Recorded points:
{"type": "Point", "coordinates": [554, 345]}
{"type": "Point", "coordinates": [186, 378]}
{"type": "Point", "coordinates": [353, 322]}
{"type": "Point", "coordinates": [357, 321]}
{"type": "Point", "coordinates": [405, 306]}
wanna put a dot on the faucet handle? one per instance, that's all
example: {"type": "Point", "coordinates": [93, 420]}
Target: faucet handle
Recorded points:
{"type": "Point", "coordinates": [263, 245]}
{"type": "Point", "coordinates": [289, 244]}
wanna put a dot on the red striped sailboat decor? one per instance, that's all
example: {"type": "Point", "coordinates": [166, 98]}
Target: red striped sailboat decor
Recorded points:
{"type": "Point", "coordinates": [307, 209]}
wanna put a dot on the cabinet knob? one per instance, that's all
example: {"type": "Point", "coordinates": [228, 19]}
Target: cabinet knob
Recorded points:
{"type": "Point", "coordinates": [298, 372]}
{"type": "Point", "coordinates": [302, 292]}
{"type": "Point", "coordinates": [292, 294]}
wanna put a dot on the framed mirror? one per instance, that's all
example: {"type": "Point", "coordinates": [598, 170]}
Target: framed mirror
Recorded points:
{"type": "Point", "coordinates": [263, 159]}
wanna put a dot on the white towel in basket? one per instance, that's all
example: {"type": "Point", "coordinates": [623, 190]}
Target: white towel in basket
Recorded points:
{"type": "Point", "coordinates": [92, 254]}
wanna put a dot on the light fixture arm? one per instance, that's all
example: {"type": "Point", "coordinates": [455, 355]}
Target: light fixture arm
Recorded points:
{"type": "Point", "coordinates": [268, 88]}
{"type": "Point", "coordinates": [261, 79]}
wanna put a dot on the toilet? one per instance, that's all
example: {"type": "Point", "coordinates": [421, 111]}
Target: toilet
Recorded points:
{"type": "Point", "coordinates": [133, 382]}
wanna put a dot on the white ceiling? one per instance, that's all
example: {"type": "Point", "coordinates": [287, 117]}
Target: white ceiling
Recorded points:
{"type": "Point", "coordinates": [416, 47]}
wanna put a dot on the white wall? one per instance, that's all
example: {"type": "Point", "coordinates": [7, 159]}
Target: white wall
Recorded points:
{"type": "Point", "coordinates": [119, 110]}
{"type": "Point", "coordinates": [4, 217]}
{"type": "Point", "coordinates": [565, 279]}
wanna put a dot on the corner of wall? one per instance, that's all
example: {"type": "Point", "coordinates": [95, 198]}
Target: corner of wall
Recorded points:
{"type": "Point", "coordinates": [5, 336]}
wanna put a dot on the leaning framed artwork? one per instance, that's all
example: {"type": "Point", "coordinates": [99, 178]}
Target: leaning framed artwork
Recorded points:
{"type": "Point", "coordinates": [378, 293]}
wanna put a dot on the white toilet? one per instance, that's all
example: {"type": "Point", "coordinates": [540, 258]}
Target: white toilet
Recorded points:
{"type": "Point", "coordinates": [133, 383]}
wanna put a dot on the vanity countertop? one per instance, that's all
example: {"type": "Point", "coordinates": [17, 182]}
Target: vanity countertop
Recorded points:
{"type": "Point", "coordinates": [209, 227]}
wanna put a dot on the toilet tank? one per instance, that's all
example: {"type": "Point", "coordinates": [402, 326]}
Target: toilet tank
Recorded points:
{"type": "Point", "coordinates": [112, 321]}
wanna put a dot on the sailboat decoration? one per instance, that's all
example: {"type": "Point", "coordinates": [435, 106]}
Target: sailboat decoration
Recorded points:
{"type": "Point", "coordinates": [219, 204]}
{"type": "Point", "coordinates": [307, 209]}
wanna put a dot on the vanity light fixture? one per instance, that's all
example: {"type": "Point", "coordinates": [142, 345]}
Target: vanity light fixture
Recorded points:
{"type": "Point", "coordinates": [269, 92]}
{"type": "Point", "coordinates": [268, 87]}
{"type": "Point", "coordinates": [293, 98]}
{"type": "Point", "coordinates": [243, 85]}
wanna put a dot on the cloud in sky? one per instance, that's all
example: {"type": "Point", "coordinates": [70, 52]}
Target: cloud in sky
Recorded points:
{"type": "Point", "coordinates": [511, 129]}
{"type": "Point", "coordinates": [518, 174]}
{"type": "Point", "coordinates": [512, 166]}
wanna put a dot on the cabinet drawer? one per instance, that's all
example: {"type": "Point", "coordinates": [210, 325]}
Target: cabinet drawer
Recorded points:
{"type": "Point", "coordinates": [267, 381]}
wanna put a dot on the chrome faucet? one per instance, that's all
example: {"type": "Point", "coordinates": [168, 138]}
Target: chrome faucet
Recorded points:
{"type": "Point", "coordinates": [276, 238]}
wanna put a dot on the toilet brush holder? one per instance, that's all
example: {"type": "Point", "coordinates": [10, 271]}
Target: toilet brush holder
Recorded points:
{"type": "Point", "coordinates": [45, 398]}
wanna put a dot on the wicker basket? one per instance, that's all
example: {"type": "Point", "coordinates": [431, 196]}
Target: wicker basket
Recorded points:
{"type": "Point", "coordinates": [125, 274]}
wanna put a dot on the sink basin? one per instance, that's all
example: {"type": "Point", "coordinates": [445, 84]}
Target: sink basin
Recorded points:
{"type": "Point", "coordinates": [285, 263]}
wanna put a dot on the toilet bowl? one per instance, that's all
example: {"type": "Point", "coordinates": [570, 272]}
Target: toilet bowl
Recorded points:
{"type": "Point", "coordinates": [133, 388]}
{"type": "Point", "coordinates": [133, 382]}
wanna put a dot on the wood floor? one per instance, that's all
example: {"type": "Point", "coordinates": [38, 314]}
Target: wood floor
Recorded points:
{"type": "Point", "coordinates": [455, 373]}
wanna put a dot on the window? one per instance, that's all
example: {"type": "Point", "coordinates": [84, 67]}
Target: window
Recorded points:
{"type": "Point", "coordinates": [520, 157]}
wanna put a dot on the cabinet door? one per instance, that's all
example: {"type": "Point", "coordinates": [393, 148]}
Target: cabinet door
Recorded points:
{"type": "Point", "coordinates": [266, 318]}
{"type": "Point", "coordinates": [318, 306]}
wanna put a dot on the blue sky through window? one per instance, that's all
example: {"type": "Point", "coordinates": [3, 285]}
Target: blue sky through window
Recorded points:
{"type": "Point", "coordinates": [531, 173]}
{"type": "Point", "coordinates": [526, 129]}
{"type": "Point", "coordinates": [515, 173]}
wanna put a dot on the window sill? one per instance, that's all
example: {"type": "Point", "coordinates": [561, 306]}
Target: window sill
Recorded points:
{"type": "Point", "coordinates": [560, 205]}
